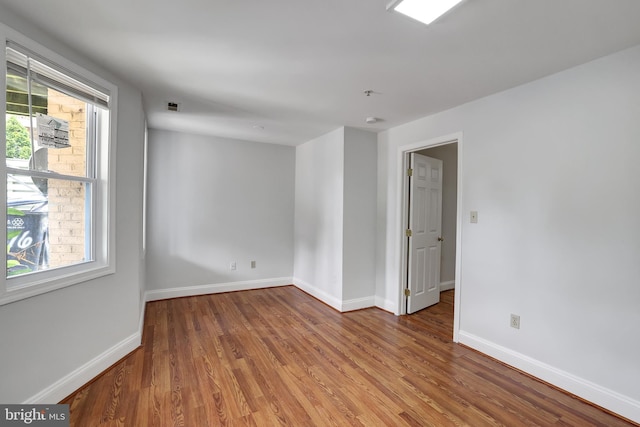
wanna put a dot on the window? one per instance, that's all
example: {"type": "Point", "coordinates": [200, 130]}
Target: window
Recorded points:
{"type": "Point", "coordinates": [57, 172]}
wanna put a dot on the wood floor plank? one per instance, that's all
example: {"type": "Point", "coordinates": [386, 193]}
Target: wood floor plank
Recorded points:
{"type": "Point", "coordinates": [278, 356]}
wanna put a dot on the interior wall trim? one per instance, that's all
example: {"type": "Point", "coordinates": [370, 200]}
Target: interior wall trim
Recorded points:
{"type": "Point", "coordinates": [447, 286]}
{"type": "Point", "coordinates": [188, 291]}
{"type": "Point", "coordinates": [358, 303]}
{"type": "Point", "coordinates": [318, 293]}
{"type": "Point", "coordinates": [85, 373]}
{"type": "Point", "coordinates": [594, 393]}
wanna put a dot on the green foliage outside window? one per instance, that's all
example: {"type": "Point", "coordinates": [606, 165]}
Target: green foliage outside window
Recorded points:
{"type": "Point", "coordinates": [18, 140]}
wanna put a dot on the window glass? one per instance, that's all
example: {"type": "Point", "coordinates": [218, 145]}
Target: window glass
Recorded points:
{"type": "Point", "coordinates": [51, 146]}
{"type": "Point", "coordinates": [46, 229]}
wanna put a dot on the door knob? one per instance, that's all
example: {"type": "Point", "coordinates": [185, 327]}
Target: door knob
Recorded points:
{"type": "Point", "coordinates": [440, 239]}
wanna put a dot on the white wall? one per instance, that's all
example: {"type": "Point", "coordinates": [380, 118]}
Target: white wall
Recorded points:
{"type": "Point", "coordinates": [55, 342]}
{"type": "Point", "coordinates": [319, 189]}
{"type": "Point", "coordinates": [335, 218]}
{"type": "Point", "coordinates": [213, 201]}
{"type": "Point", "coordinates": [551, 167]}
{"type": "Point", "coordinates": [360, 158]}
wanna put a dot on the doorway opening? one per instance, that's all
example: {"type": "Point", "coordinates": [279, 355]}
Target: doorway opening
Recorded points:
{"type": "Point", "coordinates": [448, 151]}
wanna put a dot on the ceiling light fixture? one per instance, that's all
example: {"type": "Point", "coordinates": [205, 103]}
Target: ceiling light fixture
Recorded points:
{"type": "Point", "coordinates": [425, 11]}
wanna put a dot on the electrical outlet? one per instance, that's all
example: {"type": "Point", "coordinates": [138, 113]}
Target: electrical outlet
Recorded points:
{"type": "Point", "coordinates": [515, 321]}
{"type": "Point", "coordinates": [232, 266]}
{"type": "Point", "coordinates": [253, 264]}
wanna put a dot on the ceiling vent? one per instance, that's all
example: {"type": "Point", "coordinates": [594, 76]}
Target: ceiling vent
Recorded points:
{"type": "Point", "coordinates": [172, 106]}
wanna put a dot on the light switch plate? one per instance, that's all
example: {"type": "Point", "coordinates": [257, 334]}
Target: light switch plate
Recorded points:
{"type": "Point", "coordinates": [474, 217]}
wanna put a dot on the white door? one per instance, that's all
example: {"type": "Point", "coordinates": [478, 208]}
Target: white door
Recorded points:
{"type": "Point", "coordinates": [425, 223]}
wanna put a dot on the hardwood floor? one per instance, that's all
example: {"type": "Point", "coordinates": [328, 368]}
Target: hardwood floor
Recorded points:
{"type": "Point", "coordinates": [279, 357]}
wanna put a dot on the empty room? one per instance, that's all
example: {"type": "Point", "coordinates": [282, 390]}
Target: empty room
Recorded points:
{"type": "Point", "coordinates": [313, 213]}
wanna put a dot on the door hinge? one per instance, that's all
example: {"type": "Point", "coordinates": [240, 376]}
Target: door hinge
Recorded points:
{"type": "Point", "coordinates": [408, 233]}
{"type": "Point", "coordinates": [410, 172]}
{"type": "Point", "coordinates": [407, 292]}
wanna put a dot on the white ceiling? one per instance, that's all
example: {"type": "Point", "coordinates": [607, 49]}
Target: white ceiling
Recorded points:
{"type": "Point", "coordinates": [286, 71]}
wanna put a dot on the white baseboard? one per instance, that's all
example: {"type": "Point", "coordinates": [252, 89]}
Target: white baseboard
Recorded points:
{"type": "Point", "coordinates": [447, 286]}
{"type": "Point", "coordinates": [188, 291]}
{"type": "Point", "coordinates": [390, 306]}
{"type": "Point", "coordinates": [385, 304]}
{"type": "Point", "coordinates": [601, 396]}
{"type": "Point", "coordinates": [340, 305]}
{"type": "Point", "coordinates": [318, 293]}
{"type": "Point", "coordinates": [143, 310]}
{"type": "Point", "coordinates": [358, 303]}
{"type": "Point", "coordinates": [85, 373]}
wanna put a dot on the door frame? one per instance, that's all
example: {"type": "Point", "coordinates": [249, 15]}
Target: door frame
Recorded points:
{"type": "Point", "coordinates": [402, 220]}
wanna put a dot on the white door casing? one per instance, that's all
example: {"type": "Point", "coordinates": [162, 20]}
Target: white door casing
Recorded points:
{"type": "Point", "coordinates": [425, 223]}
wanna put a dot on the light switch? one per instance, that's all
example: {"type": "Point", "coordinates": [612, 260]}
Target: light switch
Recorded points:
{"type": "Point", "coordinates": [474, 217]}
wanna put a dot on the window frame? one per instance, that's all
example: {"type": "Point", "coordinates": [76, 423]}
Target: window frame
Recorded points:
{"type": "Point", "coordinates": [103, 222]}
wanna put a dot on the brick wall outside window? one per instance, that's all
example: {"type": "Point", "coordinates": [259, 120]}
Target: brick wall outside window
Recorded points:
{"type": "Point", "coordinates": [67, 198]}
